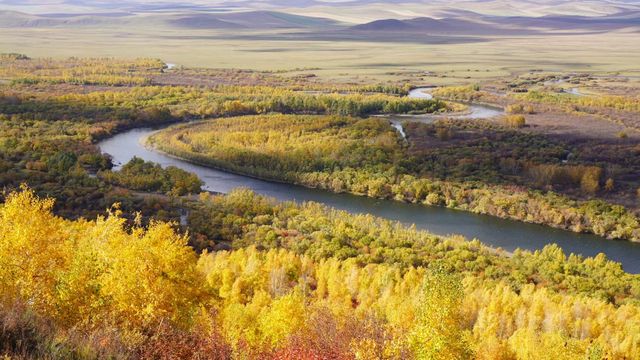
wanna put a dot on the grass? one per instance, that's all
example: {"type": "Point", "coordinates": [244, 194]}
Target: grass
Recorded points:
{"type": "Point", "coordinates": [347, 60]}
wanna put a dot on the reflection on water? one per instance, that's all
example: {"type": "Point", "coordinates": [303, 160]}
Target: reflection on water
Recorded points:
{"type": "Point", "coordinates": [421, 93]}
{"type": "Point", "coordinates": [496, 232]}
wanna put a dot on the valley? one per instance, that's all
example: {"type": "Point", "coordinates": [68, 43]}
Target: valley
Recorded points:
{"type": "Point", "coordinates": [320, 180]}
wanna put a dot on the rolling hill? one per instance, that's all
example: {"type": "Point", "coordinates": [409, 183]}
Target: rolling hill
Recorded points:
{"type": "Point", "coordinates": [476, 24]}
{"type": "Point", "coordinates": [179, 20]}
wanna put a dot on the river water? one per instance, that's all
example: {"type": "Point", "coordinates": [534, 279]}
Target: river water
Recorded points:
{"type": "Point", "coordinates": [492, 231]}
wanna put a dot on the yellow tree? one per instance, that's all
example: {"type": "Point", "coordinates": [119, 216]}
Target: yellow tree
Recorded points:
{"type": "Point", "coordinates": [34, 252]}
{"type": "Point", "coordinates": [439, 331]}
{"type": "Point", "coordinates": [151, 275]}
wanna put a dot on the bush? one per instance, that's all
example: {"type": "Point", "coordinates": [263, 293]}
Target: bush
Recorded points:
{"type": "Point", "coordinates": [609, 185]}
{"type": "Point", "coordinates": [516, 121]}
{"type": "Point", "coordinates": [520, 109]}
{"type": "Point", "coordinates": [590, 182]}
{"type": "Point", "coordinates": [444, 134]}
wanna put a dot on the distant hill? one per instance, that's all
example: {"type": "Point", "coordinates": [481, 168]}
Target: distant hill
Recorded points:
{"type": "Point", "coordinates": [386, 25]}
{"type": "Point", "coordinates": [186, 20]}
{"type": "Point", "coordinates": [349, 11]}
{"type": "Point", "coordinates": [203, 21]}
{"type": "Point", "coordinates": [454, 23]}
{"type": "Point", "coordinates": [274, 19]}
{"type": "Point", "coordinates": [431, 25]}
{"type": "Point", "coordinates": [476, 24]}
{"type": "Point", "coordinates": [568, 22]}
{"type": "Point", "coordinates": [14, 19]}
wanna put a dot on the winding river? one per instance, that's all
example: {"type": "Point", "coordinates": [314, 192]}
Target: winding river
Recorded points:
{"type": "Point", "coordinates": [492, 231]}
{"type": "Point", "coordinates": [474, 111]}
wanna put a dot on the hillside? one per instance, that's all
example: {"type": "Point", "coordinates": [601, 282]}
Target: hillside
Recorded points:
{"type": "Point", "coordinates": [250, 20]}
{"type": "Point", "coordinates": [476, 24]}
{"type": "Point", "coordinates": [184, 19]}
{"type": "Point", "coordinates": [456, 23]}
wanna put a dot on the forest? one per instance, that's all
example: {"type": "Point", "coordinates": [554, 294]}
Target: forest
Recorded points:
{"type": "Point", "coordinates": [48, 129]}
{"type": "Point", "coordinates": [319, 284]}
{"type": "Point", "coordinates": [99, 261]}
{"type": "Point", "coordinates": [142, 175]}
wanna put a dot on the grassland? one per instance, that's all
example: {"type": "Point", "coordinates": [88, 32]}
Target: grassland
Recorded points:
{"type": "Point", "coordinates": [346, 60]}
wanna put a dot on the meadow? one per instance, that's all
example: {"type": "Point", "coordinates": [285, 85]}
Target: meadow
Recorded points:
{"type": "Point", "coordinates": [346, 60]}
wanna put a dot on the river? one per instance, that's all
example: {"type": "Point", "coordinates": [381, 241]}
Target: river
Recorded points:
{"type": "Point", "coordinates": [492, 231]}
{"type": "Point", "coordinates": [473, 111]}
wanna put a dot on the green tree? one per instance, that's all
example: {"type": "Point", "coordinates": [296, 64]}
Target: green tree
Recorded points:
{"type": "Point", "coordinates": [61, 162]}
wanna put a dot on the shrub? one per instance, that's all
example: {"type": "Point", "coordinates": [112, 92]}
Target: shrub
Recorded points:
{"type": "Point", "coordinates": [516, 121]}
{"type": "Point", "coordinates": [444, 134]}
{"type": "Point", "coordinates": [515, 109]}
{"type": "Point", "coordinates": [609, 185]}
{"type": "Point", "coordinates": [520, 109]}
{"type": "Point", "coordinates": [590, 182]}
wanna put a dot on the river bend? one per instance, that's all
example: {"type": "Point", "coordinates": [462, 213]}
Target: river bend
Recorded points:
{"type": "Point", "coordinates": [492, 231]}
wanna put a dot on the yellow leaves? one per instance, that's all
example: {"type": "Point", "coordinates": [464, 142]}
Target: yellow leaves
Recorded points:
{"type": "Point", "coordinates": [240, 322]}
{"type": "Point", "coordinates": [152, 275]}
{"type": "Point", "coordinates": [33, 250]}
{"type": "Point", "coordinates": [101, 275]}
{"type": "Point", "coordinates": [626, 103]}
{"type": "Point", "coordinates": [80, 272]}
{"type": "Point", "coordinates": [284, 317]}
{"type": "Point", "coordinates": [270, 143]}
{"type": "Point", "coordinates": [540, 324]}
{"type": "Point", "coordinates": [368, 349]}
{"type": "Point", "coordinates": [439, 331]}
{"type": "Point", "coordinates": [531, 345]}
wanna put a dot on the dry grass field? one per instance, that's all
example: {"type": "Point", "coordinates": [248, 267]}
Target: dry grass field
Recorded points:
{"type": "Point", "coordinates": [345, 60]}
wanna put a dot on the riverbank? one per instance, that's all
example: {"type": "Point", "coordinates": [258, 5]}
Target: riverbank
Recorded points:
{"type": "Point", "coordinates": [363, 159]}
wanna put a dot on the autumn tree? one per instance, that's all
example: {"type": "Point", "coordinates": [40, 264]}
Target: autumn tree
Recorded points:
{"type": "Point", "coordinates": [439, 331]}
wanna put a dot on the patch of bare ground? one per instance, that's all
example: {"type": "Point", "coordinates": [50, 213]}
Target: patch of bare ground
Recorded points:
{"type": "Point", "coordinates": [553, 122]}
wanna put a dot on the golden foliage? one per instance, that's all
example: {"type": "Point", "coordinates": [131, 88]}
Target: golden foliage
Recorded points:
{"type": "Point", "coordinates": [96, 275]}
{"type": "Point", "coordinates": [516, 121]}
{"type": "Point", "coordinates": [95, 272]}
